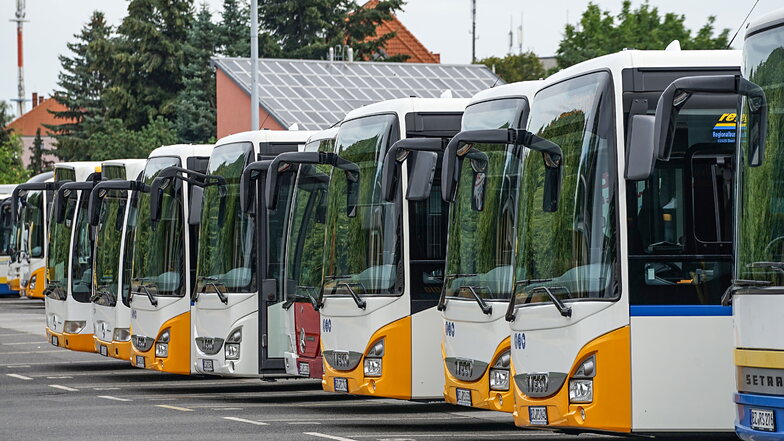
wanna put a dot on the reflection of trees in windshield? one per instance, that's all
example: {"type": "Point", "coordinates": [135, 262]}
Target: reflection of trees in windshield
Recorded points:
{"type": "Point", "coordinates": [159, 251]}
{"type": "Point", "coordinates": [227, 239]}
{"type": "Point", "coordinates": [33, 220]}
{"type": "Point", "coordinates": [81, 265]}
{"type": "Point", "coordinates": [362, 250]}
{"type": "Point", "coordinates": [107, 246]}
{"type": "Point", "coordinates": [574, 246]}
{"type": "Point", "coordinates": [6, 229]}
{"type": "Point", "coordinates": [761, 221]}
{"type": "Point", "coordinates": [59, 244]}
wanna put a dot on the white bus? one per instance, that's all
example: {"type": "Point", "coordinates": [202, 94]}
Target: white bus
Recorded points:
{"type": "Point", "coordinates": [7, 222]}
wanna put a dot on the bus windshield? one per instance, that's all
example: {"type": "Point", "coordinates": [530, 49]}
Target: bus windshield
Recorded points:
{"type": "Point", "coordinates": [107, 247]}
{"type": "Point", "coordinates": [82, 254]}
{"type": "Point", "coordinates": [481, 236]}
{"type": "Point", "coordinates": [570, 253]}
{"type": "Point", "coordinates": [159, 251]}
{"type": "Point", "coordinates": [305, 247]}
{"type": "Point", "coordinates": [227, 240]}
{"type": "Point", "coordinates": [362, 249]}
{"type": "Point", "coordinates": [59, 247]}
{"type": "Point", "coordinates": [6, 229]}
{"type": "Point", "coordinates": [761, 213]}
{"type": "Point", "coordinates": [33, 224]}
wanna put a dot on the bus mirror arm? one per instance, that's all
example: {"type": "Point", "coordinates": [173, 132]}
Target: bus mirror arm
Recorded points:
{"type": "Point", "coordinates": [170, 174]}
{"type": "Point", "coordinates": [16, 195]}
{"type": "Point", "coordinates": [64, 192]}
{"type": "Point", "coordinates": [250, 174]}
{"type": "Point", "coordinates": [397, 154]}
{"type": "Point", "coordinates": [678, 93]}
{"type": "Point", "coordinates": [100, 191]}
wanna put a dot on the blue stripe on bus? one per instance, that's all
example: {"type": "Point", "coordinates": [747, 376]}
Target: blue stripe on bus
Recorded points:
{"type": "Point", "coordinates": [679, 310]}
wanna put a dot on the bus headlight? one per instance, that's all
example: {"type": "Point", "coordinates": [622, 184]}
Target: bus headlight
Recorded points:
{"type": "Point", "coordinates": [162, 344]}
{"type": "Point", "coordinates": [232, 346]}
{"type": "Point", "coordinates": [499, 372]}
{"type": "Point", "coordinates": [372, 363]}
{"type": "Point", "coordinates": [121, 334]}
{"type": "Point", "coordinates": [581, 383]}
{"type": "Point", "coordinates": [32, 282]}
{"type": "Point", "coordinates": [73, 327]}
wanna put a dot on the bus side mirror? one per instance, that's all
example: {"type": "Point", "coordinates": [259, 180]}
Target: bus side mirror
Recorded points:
{"type": "Point", "coordinates": [159, 185]}
{"type": "Point", "coordinates": [552, 155]}
{"type": "Point", "coordinates": [399, 152]}
{"type": "Point", "coordinates": [640, 148]}
{"type": "Point", "coordinates": [460, 145]}
{"type": "Point", "coordinates": [195, 206]}
{"type": "Point", "coordinates": [420, 177]}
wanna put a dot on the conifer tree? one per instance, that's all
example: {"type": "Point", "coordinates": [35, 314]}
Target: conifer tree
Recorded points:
{"type": "Point", "coordinates": [11, 169]}
{"type": "Point", "coordinates": [234, 29]}
{"type": "Point", "coordinates": [38, 164]}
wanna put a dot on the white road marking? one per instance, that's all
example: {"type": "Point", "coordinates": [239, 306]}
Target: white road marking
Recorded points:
{"type": "Point", "coordinates": [59, 377]}
{"type": "Point", "coordinates": [243, 420]}
{"type": "Point", "coordinates": [297, 423]}
{"type": "Point", "coordinates": [106, 388]}
{"type": "Point", "coordinates": [65, 388]}
{"type": "Point", "coordinates": [38, 342]}
{"type": "Point", "coordinates": [15, 366]}
{"type": "Point", "coordinates": [181, 409]}
{"type": "Point", "coordinates": [20, 377]}
{"type": "Point", "coordinates": [109, 397]}
{"type": "Point", "coordinates": [322, 435]}
{"type": "Point", "coordinates": [31, 352]}
{"type": "Point", "coordinates": [11, 335]}
{"type": "Point", "coordinates": [226, 408]}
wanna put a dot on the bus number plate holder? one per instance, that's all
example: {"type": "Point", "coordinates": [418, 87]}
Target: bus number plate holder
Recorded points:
{"type": "Point", "coordinates": [103, 350]}
{"type": "Point", "coordinates": [304, 369]}
{"type": "Point", "coordinates": [207, 365]}
{"type": "Point", "coordinates": [538, 415]}
{"type": "Point", "coordinates": [463, 397]}
{"type": "Point", "coordinates": [55, 341]}
{"type": "Point", "coordinates": [763, 419]}
{"type": "Point", "coordinates": [341, 384]}
{"type": "Point", "coordinates": [140, 361]}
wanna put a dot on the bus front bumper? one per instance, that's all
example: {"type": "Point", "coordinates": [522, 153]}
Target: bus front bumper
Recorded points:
{"type": "Point", "coordinates": [482, 397]}
{"type": "Point", "coordinates": [120, 350]}
{"type": "Point", "coordinates": [74, 342]}
{"type": "Point", "coordinates": [766, 403]}
{"type": "Point", "coordinates": [35, 286]}
{"type": "Point", "coordinates": [178, 358]}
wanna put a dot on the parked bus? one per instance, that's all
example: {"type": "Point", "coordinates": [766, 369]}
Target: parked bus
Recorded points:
{"type": "Point", "coordinates": [6, 237]}
{"type": "Point", "coordinates": [163, 263]}
{"type": "Point", "coordinates": [69, 263]}
{"type": "Point", "coordinates": [302, 273]}
{"type": "Point", "coordinates": [237, 319]}
{"type": "Point", "coordinates": [480, 250]}
{"type": "Point", "coordinates": [383, 262]}
{"type": "Point", "coordinates": [625, 251]}
{"type": "Point", "coordinates": [113, 217]}
{"type": "Point", "coordinates": [31, 207]}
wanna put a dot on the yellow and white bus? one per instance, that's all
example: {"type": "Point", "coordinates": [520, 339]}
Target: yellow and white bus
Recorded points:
{"type": "Point", "coordinates": [625, 251]}
{"type": "Point", "coordinates": [68, 268]}
{"type": "Point", "coordinates": [112, 215]}
{"type": "Point", "coordinates": [7, 231]}
{"type": "Point", "coordinates": [383, 261]}
{"type": "Point", "coordinates": [31, 208]}
{"type": "Point", "coordinates": [164, 257]}
{"type": "Point", "coordinates": [480, 250]}
{"type": "Point", "coordinates": [237, 318]}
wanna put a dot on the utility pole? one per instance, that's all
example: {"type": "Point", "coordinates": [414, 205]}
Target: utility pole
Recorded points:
{"type": "Point", "coordinates": [511, 36]}
{"type": "Point", "coordinates": [20, 88]}
{"type": "Point", "coordinates": [254, 64]}
{"type": "Point", "coordinates": [473, 31]}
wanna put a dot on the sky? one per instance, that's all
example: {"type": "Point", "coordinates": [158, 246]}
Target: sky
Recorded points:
{"type": "Point", "coordinates": [443, 26]}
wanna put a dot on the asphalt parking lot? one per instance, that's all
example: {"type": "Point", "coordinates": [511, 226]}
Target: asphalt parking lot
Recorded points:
{"type": "Point", "coordinates": [55, 394]}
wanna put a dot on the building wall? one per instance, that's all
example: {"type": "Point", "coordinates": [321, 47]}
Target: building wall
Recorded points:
{"type": "Point", "coordinates": [27, 150]}
{"type": "Point", "coordinates": [233, 113]}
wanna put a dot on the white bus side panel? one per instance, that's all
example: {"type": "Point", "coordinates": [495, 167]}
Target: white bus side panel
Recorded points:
{"type": "Point", "coordinates": [682, 374]}
{"type": "Point", "coordinates": [427, 367]}
{"type": "Point", "coordinates": [758, 323]}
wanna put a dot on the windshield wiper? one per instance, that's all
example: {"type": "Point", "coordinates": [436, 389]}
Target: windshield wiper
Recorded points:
{"type": "Point", "coordinates": [101, 292]}
{"type": "Point", "coordinates": [487, 309]}
{"type": "Point", "coordinates": [739, 284]}
{"type": "Point", "coordinates": [361, 304]}
{"type": "Point", "coordinates": [510, 315]}
{"type": "Point", "coordinates": [213, 282]}
{"type": "Point", "coordinates": [442, 300]}
{"type": "Point", "coordinates": [56, 287]}
{"type": "Point", "coordinates": [776, 266]}
{"type": "Point", "coordinates": [297, 297]}
{"type": "Point", "coordinates": [142, 286]}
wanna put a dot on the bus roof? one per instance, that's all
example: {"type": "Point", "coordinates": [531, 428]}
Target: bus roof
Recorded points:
{"type": "Point", "coordinates": [769, 20]}
{"type": "Point", "coordinates": [261, 136]}
{"type": "Point", "coordinates": [182, 150]}
{"type": "Point", "coordinates": [519, 89]}
{"type": "Point", "coordinates": [407, 105]}
{"type": "Point", "coordinates": [330, 133]}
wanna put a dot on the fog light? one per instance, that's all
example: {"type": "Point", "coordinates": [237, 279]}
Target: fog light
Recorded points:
{"type": "Point", "coordinates": [73, 327]}
{"type": "Point", "coordinates": [232, 351]}
{"type": "Point", "coordinates": [121, 334]}
{"type": "Point", "coordinates": [161, 350]}
{"type": "Point", "coordinates": [580, 390]}
{"type": "Point", "coordinates": [372, 367]}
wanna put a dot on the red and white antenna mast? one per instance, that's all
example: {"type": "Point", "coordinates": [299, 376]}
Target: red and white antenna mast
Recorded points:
{"type": "Point", "coordinates": [19, 19]}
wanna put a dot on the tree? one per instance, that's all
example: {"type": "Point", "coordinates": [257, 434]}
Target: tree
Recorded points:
{"type": "Point", "coordinates": [117, 141]}
{"type": "Point", "coordinates": [147, 66]}
{"type": "Point", "coordinates": [513, 68]}
{"type": "Point", "coordinates": [38, 164]}
{"type": "Point", "coordinates": [82, 81]}
{"type": "Point", "coordinates": [195, 115]}
{"type": "Point", "coordinates": [307, 28]}
{"type": "Point", "coordinates": [600, 33]}
{"type": "Point", "coordinates": [11, 168]}
{"type": "Point", "coordinates": [234, 30]}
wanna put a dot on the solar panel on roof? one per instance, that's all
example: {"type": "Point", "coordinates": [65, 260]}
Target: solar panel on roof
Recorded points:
{"type": "Point", "coordinates": [315, 94]}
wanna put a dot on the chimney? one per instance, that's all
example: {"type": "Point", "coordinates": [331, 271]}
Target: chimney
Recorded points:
{"type": "Point", "coordinates": [41, 99]}
{"type": "Point", "coordinates": [35, 99]}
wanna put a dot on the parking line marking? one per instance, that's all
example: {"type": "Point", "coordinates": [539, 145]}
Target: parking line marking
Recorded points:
{"type": "Point", "coordinates": [60, 377]}
{"type": "Point", "coordinates": [31, 352]}
{"type": "Point", "coordinates": [109, 397]}
{"type": "Point", "coordinates": [181, 409]}
{"type": "Point", "coordinates": [298, 423]}
{"type": "Point", "coordinates": [15, 366]}
{"type": "Point", "coordinates": [20, 377]}
{"type": "Point", "coordinates": [322, 435]}
{"type": "Point", "coordinates": [106, 388]}
{"type": "Point", "coordinates": [243, 420]}
{"type": "Point", "coordinates": [37, 342]}
{"type": "Point", "coordinates": [65, 388]}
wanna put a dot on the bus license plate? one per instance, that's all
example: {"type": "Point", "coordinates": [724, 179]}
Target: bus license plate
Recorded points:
{"type": "Point", "coordinates": [341, 384]}
{"type": "Point", "coordinates": [463, 397]}
{"type": "Point", "coordinates": [762, 419]}
{"type": "Point", "coordinates": [55, 341]}
{"type": "Point", "coordinates": [304, 369]}
{"type": "Point", "coordinates": [207, 365]}
{"type": "Point", "coordinates": [103, 350]}
{"type": "Point", "coordinates": [537, 415]}
{"type": "Point", "coordinates": [140, 361]}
